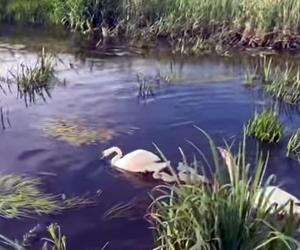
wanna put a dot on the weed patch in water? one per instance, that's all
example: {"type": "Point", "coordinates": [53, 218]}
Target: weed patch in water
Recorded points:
{"type": "Point", "coordinates": [265, 127]}
{"type": "Point", "coordinates": [33, 81]}
{"type": "Point", "coordinates": [285, 86]}
{"type": "Point", "coordinates": [293, 147]}
{"type": "Point", "coordinates": [228, 214]}
{"type": "Point", "coordinates": [76, 134]}
{"type": "Point", "coordinates": [22, 197]}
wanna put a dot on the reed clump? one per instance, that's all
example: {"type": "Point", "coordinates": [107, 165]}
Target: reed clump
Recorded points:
{"type": "Point", "coordinates": [265, 127]}
{"type": "Point", "coordinates": [228, 214]}
{"type": "Point", "coordinates": [35, 81]}
{"type": "Point", "coordinates": [293, 147]}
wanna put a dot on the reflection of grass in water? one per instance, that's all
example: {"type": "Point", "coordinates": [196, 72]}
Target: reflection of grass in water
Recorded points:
{"type": "Point", "coordinates": [266, 127]}
{"type": "Point", "coordinates": [231, 213]}
{"type": "Point", "coordinates": [22, 197]}
{"type": "Point", "coordinates": [75, 134]}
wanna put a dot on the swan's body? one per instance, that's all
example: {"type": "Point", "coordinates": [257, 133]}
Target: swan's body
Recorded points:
{"type": "Point", "coordinates": [272, 196]}
{"type": "Point", "coordinates": [276, 196]}
{"type": "Point", "coordinates": [137, 161]}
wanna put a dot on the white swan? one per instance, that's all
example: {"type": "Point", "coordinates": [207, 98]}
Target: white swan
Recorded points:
{"type": "Point", "coordinates": [137, 161]}
{"type": "Point", "coordinates": [280, 198]}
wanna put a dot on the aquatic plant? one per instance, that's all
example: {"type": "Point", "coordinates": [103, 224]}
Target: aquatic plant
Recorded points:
{"type": "Point", "coordinates": [35, 80]}
{"type": "Point", "coordinates": [266, 74]}
{"type": "Point", "coordinates": [22, 197]}
{"type": "Point", "coordinates": [185, 23]}
{"type": "Point", "coordinates": [231, 213]}
{"type": "Point", "coordinates": [12, 244]}
{"type": "Point", "coordinates": [147, 86]}
{"type": "Point", "coordinates": [57, 240]}
{"type": "Point", "coordinates": [286, 85]}
{"type": "Point", "coordinates": [293, 147]}
{"type": "Point", "coordinates": [265, 127]}
{"type": "Point", "coordinates": [76, 134]}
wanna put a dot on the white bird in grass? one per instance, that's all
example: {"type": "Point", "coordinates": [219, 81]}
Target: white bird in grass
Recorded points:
{"type": "Point", "coordinates": [137, 161]}
{"type": "Point", "coordinates": [271, 195]}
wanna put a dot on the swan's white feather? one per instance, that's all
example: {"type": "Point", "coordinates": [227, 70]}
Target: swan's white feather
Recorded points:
{"type": "Point", "coordinates": [139, 161]}
{"type": "Point", "coordinates": [276, 195]}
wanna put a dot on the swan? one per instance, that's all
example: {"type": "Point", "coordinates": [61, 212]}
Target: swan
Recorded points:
{"type": "Point", "coordinates": [271, 195]}
{"type": "Point", "coordinates": [137, 161]}
{"type": "Point", "coordinates": [280, 198]}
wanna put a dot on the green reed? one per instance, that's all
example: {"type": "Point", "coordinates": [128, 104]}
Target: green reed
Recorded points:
{"type": "Point", "coordinates": [36, 80]}
{"type": "Point", "coordinates": [293, 147]}
{"type": "Point", "coordinates": [265, 127]}
{"type": "Point", "coordinates": [228, 214]}
{"type": "Point", "coordinates": [56, 239]}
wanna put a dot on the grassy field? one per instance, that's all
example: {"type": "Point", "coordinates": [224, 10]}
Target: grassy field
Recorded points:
{"type": "Point", "coordinates": [186, 22]}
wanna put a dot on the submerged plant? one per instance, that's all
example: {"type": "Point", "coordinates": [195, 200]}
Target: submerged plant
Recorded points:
{"type": "Point", "coordinates": [265, 127]}
{"type": "Point", "coordinates": [231, 213]}
{"type": "Point", "coordinates": [293, 147]}
{"type": "Point", "coordinates": [76, 134]}
{"type": "Point", "coordinates": [22, 197]}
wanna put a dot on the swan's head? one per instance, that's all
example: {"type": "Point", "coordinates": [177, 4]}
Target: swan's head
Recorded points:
{"type": "Point", "coordinates": [109, 151]}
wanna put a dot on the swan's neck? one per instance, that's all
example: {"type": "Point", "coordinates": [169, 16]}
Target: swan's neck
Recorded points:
{"type": "Point", "coordinates": [118, 155]}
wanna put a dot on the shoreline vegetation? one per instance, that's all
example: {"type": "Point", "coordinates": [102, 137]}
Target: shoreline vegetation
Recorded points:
{"type": "Point", "coordinates": [190, 26]}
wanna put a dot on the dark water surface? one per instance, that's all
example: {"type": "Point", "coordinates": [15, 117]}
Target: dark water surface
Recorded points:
{"type": "Point", "coordinates": [101, 89]}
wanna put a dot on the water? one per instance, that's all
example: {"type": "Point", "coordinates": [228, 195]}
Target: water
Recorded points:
{"type": "Point", "coordinates": [102, 91]}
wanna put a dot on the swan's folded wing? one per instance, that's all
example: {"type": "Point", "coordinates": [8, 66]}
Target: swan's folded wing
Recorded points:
{"type": "Point", "coordinates": [138, 161]}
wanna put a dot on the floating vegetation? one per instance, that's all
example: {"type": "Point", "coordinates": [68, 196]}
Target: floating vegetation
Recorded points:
{"type": "Point", "coordinates": [36, 81]}
{"type": "Point", "coordinates": [57, 240]}
{"type": "Point", "coordinates": [265, 127]}
{"type": "Point", "coordinates": [293, 147]}
{"type": "Point", "coordinates": [75, 134]}
{"type": "Point", "coordinates": [22, 197]}
{"type": "Point", "coordinates": [231, 213]}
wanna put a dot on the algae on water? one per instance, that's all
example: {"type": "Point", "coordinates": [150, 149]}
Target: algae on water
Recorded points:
{"type": "Point", "coordinates": [76, 134]}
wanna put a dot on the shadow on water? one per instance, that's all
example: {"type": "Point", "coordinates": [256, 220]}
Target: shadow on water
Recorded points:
{"type": "Point", "coordinates": [103, 90]}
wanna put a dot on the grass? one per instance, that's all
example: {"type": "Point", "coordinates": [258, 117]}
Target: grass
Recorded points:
{"type": "Point", "coordinates": [33, 81]}
{"type": "Point", "coordinates": [57, 240]}
{"type": "Point", "coordinates": [22, 197]}
{"type": "Point", "coordinates": [229, 214]}
{"type": "Point", "coordinates": [185, 23]}
{"type": "Point", "coordinates": [293, 147]}
{"type": "Point", "coordinates": [286, 85]}
{"type": "Point", "coordinates": [266, 127]}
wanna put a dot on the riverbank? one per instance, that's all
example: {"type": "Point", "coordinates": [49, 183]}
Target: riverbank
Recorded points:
{"type": "Point", "coordinates": [189, 26]}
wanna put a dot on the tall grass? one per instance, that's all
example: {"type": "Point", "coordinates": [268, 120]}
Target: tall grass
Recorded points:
{"type": "Point", "coordinates": [230, 214]}
{"type": "Point", "coordinates": [233, 20]}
